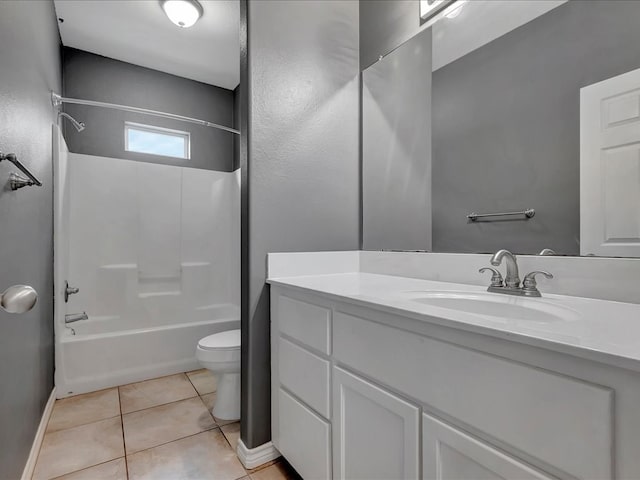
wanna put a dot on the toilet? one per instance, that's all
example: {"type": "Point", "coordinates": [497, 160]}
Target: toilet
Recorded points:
{"type": "Point", "coordinates": [220, 354]}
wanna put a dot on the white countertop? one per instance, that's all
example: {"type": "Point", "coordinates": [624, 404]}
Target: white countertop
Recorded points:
{"type": "Point", "coordinates": [599, 330]}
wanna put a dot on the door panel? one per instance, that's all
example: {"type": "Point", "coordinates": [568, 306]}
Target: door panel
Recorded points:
{"type": "Point", "coordinates": [450, 454]}
{"type": "Point", "coordinates": [375, 433]}
{"type": "Point", "coordinates": [610, 167]}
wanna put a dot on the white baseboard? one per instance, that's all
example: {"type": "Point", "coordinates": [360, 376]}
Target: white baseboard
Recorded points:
{"type": "Point", "coordinates": [254, 457]}
{"type": "Point", "coordinates": [27, 473]}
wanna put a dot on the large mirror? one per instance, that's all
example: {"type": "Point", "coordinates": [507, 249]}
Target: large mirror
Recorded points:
{"type": "Point", "coordinates": [527, 112]}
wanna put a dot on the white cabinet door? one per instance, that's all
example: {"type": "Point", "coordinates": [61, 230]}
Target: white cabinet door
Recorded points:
{"type": "Point", "coordinates": [610, 167]}
{"type": "Point", "coordinates": [375, 433]}
{"type": "Point", "coordinates": [450, 454]}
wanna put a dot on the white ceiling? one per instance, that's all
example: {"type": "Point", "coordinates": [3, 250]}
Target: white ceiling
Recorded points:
{"type": "Point", "coordinates": [138, 32]}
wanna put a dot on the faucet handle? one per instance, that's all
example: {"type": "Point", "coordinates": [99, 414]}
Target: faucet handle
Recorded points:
{"type": "Point", "coordinates": [529, 283]}
{"type": "Point", "coordinates": [496, 276]}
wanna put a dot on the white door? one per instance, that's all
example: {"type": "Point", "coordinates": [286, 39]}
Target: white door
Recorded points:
{"type": "Point", "coordinates": [610, 167]}
{"type": "Point", "coordinates": [450, 454]}
{"type": "Point", "coordinates": [375, 433]}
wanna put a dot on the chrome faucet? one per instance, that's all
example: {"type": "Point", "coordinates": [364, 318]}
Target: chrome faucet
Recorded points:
{"type": "Point", "coordinates": [511, 284]}
{"type": "Point", "coordinates": [75, 317]}
{"type": "Point", "coordinates": [513, 278]}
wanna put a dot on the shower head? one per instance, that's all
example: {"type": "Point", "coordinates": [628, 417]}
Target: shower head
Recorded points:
{"type": "Point", "coordinates": [79, 126]}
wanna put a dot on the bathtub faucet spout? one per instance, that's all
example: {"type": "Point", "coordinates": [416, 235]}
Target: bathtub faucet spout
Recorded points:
{"type": "Point", "coordinates": [75, 317]}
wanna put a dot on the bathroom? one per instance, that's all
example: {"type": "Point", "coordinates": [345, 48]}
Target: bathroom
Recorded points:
{"type": "Point", "coordinates": [269, 239]}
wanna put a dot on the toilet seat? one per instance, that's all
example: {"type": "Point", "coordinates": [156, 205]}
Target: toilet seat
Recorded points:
{"type": "Point", "coordinates": [223, 347]}
{"type": "Point", "coordinates": [229, 339]}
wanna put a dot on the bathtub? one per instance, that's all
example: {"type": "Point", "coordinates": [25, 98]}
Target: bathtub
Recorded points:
{"type": "Point", "coordinates": [101, 352]}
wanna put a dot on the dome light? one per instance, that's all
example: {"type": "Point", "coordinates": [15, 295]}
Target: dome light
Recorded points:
{"type": "Point", "coordinates": [184, 13]}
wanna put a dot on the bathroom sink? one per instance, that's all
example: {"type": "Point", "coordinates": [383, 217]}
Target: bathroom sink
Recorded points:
{"type": "Point", "coordinates": [494, 305]}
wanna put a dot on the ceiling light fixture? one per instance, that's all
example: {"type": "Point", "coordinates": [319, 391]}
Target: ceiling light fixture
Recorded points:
{"type": "Point", "coordinates": [184, 13]}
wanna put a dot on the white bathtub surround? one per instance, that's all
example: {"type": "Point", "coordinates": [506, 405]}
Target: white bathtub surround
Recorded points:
{"type": "Point", "coordinates": [370, 380]}
{"type": "Point", "coordinates": [154, 250]}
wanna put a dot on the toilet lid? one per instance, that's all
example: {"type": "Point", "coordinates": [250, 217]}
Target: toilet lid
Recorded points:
{"type": "Point", "coordinates": [221, 341]}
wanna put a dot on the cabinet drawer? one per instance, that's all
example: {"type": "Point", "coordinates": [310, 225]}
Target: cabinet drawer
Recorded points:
{"type": "Point", "coordinates": [304, 374]}
{"type": "Point", "coordinates": [563, 422]}
{"type": "Point", "coordinates": [306, 322]}
{"type": "Point", "coordinates": [451, 454]}
{"type": "Point", "coordinates": [303, 438]}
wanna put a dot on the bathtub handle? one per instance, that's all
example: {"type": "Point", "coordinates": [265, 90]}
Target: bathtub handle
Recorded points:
{"type": "Point", "coordinates": [69, 291]}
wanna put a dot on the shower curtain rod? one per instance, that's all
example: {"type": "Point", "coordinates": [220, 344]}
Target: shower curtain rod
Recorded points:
{"type": "Point", "coordinates": [58, 100]}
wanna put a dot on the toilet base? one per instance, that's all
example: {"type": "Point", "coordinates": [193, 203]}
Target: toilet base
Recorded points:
{"type": "Point", "coordinates": [227, 404]}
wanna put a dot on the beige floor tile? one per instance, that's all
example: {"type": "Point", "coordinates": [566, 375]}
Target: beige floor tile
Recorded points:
{"type": "Point", "coordinates": [165, 423]}
{"type": "Point", "coordinates": [138, 396]}
{"type": "Point", "coordinates": [72, 449]}
{"type": "Point", "coordinates": [278, 471]}
{"type": "Point", "coordinates": [113, 470]}
{"type": "Point", "coordinates": [209, 401]}
{"type": "Point", "coordinates": [203, 456]}
{"type": "Point", "coordinates": [203, 380]}
{"type": "Point", "coordinates": [264, 465]}
{"type": "Point", "coordinates": [232, 432]}
{"type": "Point", "coordinates": [82, 409]}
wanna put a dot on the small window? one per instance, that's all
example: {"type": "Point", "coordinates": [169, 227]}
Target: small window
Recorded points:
{"type": "Point", "coordinates": [156, 140]}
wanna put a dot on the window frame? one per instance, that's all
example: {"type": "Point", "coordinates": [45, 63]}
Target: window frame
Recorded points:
{"type": "Point", "coordinates": [158, 130]}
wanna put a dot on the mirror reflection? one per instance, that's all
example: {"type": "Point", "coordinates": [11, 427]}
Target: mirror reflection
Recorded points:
{"type": "Point", "coordinates": [526, 112]}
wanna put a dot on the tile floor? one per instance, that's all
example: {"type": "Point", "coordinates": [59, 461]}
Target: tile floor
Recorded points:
{"type": "Point", "coordinates": [156, 429]}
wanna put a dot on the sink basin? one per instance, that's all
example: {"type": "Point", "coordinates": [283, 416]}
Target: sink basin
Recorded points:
{"type": "Point", "coordinates": [495, 305]}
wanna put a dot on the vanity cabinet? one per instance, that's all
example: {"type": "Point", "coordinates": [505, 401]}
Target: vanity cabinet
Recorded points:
{"type": "Point", "coordinates": [361, 393]}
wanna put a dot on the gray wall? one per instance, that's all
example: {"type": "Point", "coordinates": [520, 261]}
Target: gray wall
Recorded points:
{"type": "Point", "coordinates": [29, 70]}
{"type": "Point", "coordinates": [93, 77]}
{"type": "Point", "coordinates": [385, 25]}
{"type": "Point", "coordinates": [301, 171]}
{"type": "Point", "coordinates": [506, 121]}
{"type": "Point", "coordinates": [396, 149]}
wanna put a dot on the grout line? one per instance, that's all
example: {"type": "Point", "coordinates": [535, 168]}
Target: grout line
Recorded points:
{"type": "Point", "coordinates": [172, 441]}
{"type": "Point", "coordinates": [51, 432]}
{"type": "Point", "coordinates": [87, 468]}
{"type": "Point", "coordinates": [144, 381]}
{"type": "Point", "coordinates": [124, 441]}
{"type": "Point", "coordinates": [159, 405]}
{"type": "Point", "coordinates": [194, 385]}
{"type": "Point", "coordinates": [85, 423]}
